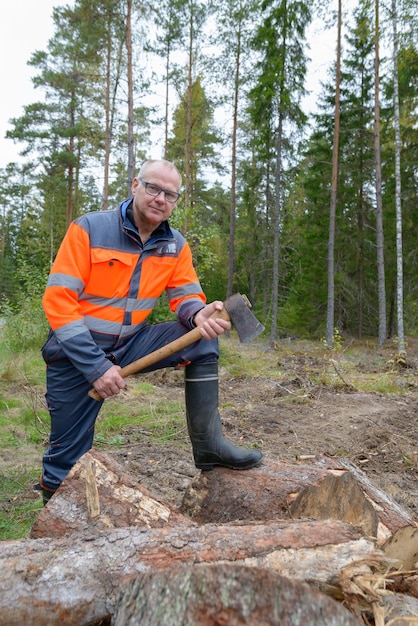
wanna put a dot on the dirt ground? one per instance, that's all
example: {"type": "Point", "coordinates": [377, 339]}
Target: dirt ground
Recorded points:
{"type": "Point", "coordinates": [291, 419]}
{"type": "Point", "coordinates": [292, 413]}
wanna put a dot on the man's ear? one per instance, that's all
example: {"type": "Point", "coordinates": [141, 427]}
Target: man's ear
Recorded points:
{"type": "Point", "coordinates": [134, 185]}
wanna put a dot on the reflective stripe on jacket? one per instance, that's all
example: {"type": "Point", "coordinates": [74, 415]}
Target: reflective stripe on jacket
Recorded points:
{"type": "Point", "coordinates": [104, 284]}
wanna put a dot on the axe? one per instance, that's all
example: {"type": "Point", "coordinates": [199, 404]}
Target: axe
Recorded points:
{"type": "Point", "coordinates": [236, 309]}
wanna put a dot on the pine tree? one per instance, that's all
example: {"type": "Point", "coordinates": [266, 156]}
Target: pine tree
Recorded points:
{"type": "Point", "coordinates": [233, 67]}
{"type": "Point", "coordinates": [195, 215]}
{"type": "Point", "coordinates": [275, 110]}
{"type": "Point", "coordinates": [59, 129]}
{"type": "Point", "coordinates": [334, 183]}
{"type": "Point", "coordinates": [194, 127]}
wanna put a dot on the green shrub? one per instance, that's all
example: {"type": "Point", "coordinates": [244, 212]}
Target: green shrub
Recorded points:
{"type": "Point", "coordinates": [25, 323]}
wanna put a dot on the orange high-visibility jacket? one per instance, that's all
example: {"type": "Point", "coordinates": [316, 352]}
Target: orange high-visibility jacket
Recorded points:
{"type": "Point", "coordinates": [104, 283]}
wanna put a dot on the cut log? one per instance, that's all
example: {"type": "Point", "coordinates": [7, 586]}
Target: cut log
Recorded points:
{"type": "Point", "coordinates": [98, 491]}
{"type": "Point", "coordinates": [400, 610]}
{"type": "Point", "coordinates": [76, 579]}
{"type": "Point", "coordinates": [402, 549]}
{"type": "Point", "coordinates": [100, 494]}
{"type": "Point", "coordinates": [391, 514]}
{"type": "Point", "coordinates": [225, 595]}
{"type": "Point", "coordinates": [325, 489]}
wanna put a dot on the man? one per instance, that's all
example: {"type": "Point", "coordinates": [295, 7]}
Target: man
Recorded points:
{"type": "Point", "coordinates": [110, 270]}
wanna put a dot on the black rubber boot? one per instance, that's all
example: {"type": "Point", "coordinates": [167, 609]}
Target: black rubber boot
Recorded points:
{"type": "Point", "coordinates": [46, 493]}
{"type": "Point", "coordinates": [210, 449]}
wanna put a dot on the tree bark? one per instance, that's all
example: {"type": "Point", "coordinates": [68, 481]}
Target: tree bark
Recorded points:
{"type": "Point", "coordinates": [225, 594]}
{"type": "Point", "coordinates": [129, 69]}
{"type": "Point", "coordinates": [334, 188]}
{"type": "Point", "coordinates": [381, 287]}
{"type": "Point", "coordinates": [76, 579]}
{"type": "Point", "coordinates": [99, 492]}
{"type": "Point", "coordinates": [398, 184]}
{"type": "Point", "coordinates": [324, 489]}
{"type": "Point", "coordinates": [233, 207]}
{"type": "Point", "coordinates": [102, 529]}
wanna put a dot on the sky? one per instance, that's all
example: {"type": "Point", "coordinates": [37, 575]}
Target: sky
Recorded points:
{"type": "Point", "coordinates": [26, 26]}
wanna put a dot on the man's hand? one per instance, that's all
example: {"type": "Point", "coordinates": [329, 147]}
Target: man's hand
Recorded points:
{"type": "Point", "coordinates": [211, 327]}
{"type": "Point", "coordinates": [110, 383]}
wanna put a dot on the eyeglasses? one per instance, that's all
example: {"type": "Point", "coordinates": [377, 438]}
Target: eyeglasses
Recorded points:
{"type": "Point", "coordinates": [155, 190]}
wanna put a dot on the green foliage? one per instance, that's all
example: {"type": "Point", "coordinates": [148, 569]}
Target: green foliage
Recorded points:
{"type": "Point", "coordinates": [161, 311]}
{"type": "Point", "coordinates": [21, 423]}
{"type": "Point", "coordinates": [25, 323]}
{"type": "Point", "coordinates": [337, 342]}
{"type": "Point", "coordinates": [201, 144]}
{"type": "Point", "coordinates": [23, 432]}
{"type": "Point", "coordinates": [281, 195]}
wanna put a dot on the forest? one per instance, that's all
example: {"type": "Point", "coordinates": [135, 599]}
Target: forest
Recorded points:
{"type": "Point", "coordinates": [312, 215]}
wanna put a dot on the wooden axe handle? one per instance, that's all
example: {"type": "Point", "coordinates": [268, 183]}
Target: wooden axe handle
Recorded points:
{"type": "Point", "coordinates": [162, 353]}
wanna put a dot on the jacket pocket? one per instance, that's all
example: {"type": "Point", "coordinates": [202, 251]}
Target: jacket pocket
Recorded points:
{"type": "Point", "coordinates": [111, 272]}
{"type": "Point", "coordinates": [51, 350]}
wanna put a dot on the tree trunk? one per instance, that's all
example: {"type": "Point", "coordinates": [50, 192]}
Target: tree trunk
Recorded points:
{"type": "Point", "coordinates": [97, 491]}
{"type": "Point", "coordinates": [131, 153]}
{"type": "Point", "coordinates": [105, 203]}
{"type": "Point", "coordinates": [166, 97]}
{"type": "Point", "coordinates": [225, 594]}
{"type": "Point", "coordinates": [70, 179]}
{"type": "Point", "coordinates": [276, 228]}
{"type": "Point", "coordinates": [398, 194]}
{"type": "Point", "coordinates": [233, 208]}
{"type": "Point", "coordinates": [76, 579]}
{"type": "Point", "coordinates": [379, 211]}
{"type": "Point", "coordinates": [102, 529]}
{"type": "Point", "coordinates": [325, 489]}
{"type": "Point", "coordinates": [189, 121]}
{"type": "Point", "coordinates": [334, 182]}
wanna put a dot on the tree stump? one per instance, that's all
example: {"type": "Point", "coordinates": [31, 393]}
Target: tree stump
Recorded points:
{"type": "Point", "coordinates": [324, 489]}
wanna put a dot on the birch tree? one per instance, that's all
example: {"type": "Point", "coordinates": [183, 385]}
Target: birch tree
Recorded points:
{"type": "Point", "coordinates": [275, 106]}
{"type": "Point", "coordinates": [398, 200]}
{"type": "Point", "coordinates": [382, 333]}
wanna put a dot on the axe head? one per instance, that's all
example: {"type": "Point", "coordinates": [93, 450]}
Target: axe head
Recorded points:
{"type": "Point", "coordinates": [245, 322]}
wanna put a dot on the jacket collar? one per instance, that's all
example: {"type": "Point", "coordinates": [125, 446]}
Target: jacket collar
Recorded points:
{"type": "Point", "coordinates": [163, 231]}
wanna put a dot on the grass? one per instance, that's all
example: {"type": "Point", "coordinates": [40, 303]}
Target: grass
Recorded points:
{"type": "Point", "coordinates": [19, 505]}
{"type": "Point", "coordinates": [120, 422]}
{"type": "Point", "coordinates": [140, 413]}
{"type": "Point", "coordinates": [24, 427]}
{"type": "Point", "coordinates": [147, 414]}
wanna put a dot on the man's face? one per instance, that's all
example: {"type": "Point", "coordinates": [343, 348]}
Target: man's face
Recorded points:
{"type": "Point", "coordinates": [151, 210]}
